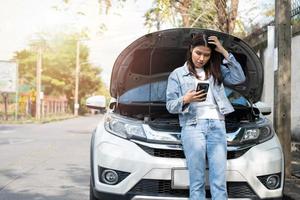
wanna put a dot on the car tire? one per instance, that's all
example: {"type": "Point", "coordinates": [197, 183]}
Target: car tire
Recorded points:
{"type": "Point", "coordinates": [92, 196]}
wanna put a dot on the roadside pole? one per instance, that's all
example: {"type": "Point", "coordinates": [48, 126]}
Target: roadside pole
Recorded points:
{"type": "Point", "coordinates": [38, 84]}
{"type": "Point", "coordinates": [282, 80]}
{"type": "Point", "coordinates": [5, 100]}
{"type": "Point", "coordinates": [77, 72]}
{"type": "Point", "coordinates": [17, 93]}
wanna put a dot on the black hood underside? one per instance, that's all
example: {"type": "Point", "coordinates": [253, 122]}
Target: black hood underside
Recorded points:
{"type": "Point", "coordinates": [144, 66]}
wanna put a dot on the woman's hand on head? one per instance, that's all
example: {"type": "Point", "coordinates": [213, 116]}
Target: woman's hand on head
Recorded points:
{"type": "Point", "coordinates": [219, 47]}
{"type": "Point", "coordinates": [193, 96]}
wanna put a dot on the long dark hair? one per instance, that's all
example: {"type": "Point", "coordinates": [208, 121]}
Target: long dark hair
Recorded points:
{"type": "Point", "coordinates": [212, 67]}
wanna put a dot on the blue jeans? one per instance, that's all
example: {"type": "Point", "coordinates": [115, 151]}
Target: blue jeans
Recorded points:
{"type": "Point", "coordinates": [207, 137]}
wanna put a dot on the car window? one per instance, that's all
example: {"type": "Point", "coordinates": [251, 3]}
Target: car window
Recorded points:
{"type": "Point", "coordinates": [156, 92]}
{"type": "Point", "coordinates": [236, 98]}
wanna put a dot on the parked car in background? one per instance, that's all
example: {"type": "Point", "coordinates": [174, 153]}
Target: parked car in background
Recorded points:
{"type": "Point", "coordinates": [97, 102]}
{"type": "Point", "coordinates": [136, 153]}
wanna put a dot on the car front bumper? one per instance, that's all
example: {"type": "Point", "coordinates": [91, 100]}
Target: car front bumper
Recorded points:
{"type": "Point", "coordinates": [150, 177]}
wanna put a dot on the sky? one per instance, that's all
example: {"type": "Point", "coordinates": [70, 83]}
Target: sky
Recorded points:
{"type": "Point", "coordinates": [20, 20]}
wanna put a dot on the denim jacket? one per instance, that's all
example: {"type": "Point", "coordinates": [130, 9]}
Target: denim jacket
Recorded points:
{"type": "Point", "coordinates": [180, 81]}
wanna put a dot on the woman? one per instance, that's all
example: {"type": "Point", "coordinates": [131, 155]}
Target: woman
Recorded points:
{"type": "Point", "coordinates": [201, 114]}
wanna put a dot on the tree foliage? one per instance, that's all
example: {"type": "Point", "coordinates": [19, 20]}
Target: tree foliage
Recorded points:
{"type": "Point", "coordinates": [227, 17]}
{"type": "Point", "coordinates": [58, 68]}
{"type": "Point", "coordinates": [214, 14]}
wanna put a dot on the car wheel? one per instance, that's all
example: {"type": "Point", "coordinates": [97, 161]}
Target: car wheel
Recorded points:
{"type": "Point", "coordinates": [92, 196]}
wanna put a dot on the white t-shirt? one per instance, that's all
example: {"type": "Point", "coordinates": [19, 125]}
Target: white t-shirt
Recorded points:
{"type": "Point", "coordinates": [207, 109]}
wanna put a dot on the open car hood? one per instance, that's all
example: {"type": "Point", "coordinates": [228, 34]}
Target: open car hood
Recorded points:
{"type": "Point", "coordinates": [151, 58]}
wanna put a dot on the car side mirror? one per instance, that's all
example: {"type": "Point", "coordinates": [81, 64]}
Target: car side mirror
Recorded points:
{"type": "Point", "coordinates": [112, 103]}
{"type": "Point", "coordinates": [263, 107]}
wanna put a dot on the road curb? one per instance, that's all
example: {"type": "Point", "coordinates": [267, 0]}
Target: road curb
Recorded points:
{"type": "Point", "coordinates": [291, 189]}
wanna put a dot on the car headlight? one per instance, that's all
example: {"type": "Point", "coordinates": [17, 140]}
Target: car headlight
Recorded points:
{"type": "Point", "coordinates": [123, 128]}
{"type": "Point", "coordinates": [257, 135]}
{"type": "Point", "coordinates": [135, 129]}
{"type": "Point", "coordinates": [160, 136]}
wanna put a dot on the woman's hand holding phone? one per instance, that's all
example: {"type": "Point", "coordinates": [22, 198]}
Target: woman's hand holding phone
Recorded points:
{"type": "Point", "coordinates": [194, 96]}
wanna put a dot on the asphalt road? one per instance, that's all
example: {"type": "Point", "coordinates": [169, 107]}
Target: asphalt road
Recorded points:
{"type": "Point", "coordinates": [51, 161]}
{"type": "Point", "coordinates": [46, 161]}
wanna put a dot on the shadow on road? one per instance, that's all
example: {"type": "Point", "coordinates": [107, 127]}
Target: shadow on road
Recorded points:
{"type": "Point", "coordinates": [26, 186]}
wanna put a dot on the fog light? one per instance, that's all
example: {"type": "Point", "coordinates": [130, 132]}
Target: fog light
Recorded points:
{"type": "Point", "coordinates": [272, 181]}
{"type": "Point", "coordinates": [110, 176]}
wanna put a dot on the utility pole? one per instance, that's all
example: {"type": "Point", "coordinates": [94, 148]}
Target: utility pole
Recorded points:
{"type": "Point", "coordinates": [38, 84]}
{"type": "Point", "coordinates": [282, 80]}
{"type": "Point", "coordinates": [5, 100]}
{"type": "Point", "coordinates": [17, 92]}
{"type": "Point", "coordinates": [77, 72]}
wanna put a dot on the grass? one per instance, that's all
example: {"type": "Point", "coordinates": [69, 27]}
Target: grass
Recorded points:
{"type": "Point", "coordinates": [30, 120]}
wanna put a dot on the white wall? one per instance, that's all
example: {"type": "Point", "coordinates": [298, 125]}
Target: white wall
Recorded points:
{"type": "Point", "coordinates": [268, 89]}
{"type": "Point", "coordinates": [295, 87]}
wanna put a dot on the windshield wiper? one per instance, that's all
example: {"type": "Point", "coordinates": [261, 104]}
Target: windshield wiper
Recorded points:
{"type": "Point", "coordinates": [148, 102]}
{"type": "Point", "coordinates": [240, 105]}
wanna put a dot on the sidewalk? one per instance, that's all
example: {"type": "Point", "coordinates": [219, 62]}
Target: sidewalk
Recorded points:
{"type": "Point", "coordinates": [292, 186]}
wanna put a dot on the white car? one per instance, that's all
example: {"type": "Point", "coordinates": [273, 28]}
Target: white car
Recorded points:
{"type": "Point", "coordinates": [97, 102]}
{"type": "Point", "coordinates": [136, 153]}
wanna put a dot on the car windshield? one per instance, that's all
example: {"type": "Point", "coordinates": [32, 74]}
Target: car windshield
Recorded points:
{"type": "Point", "coordinates": [155, 93]}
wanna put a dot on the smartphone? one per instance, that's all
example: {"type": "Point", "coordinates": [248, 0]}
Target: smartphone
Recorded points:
{"type": "Point", "coordinates": [202, 86]}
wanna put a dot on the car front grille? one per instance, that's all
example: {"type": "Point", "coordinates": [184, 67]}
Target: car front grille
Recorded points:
{"type": "Point", "coordinates": [150, 187]}
{"type": "Point", "coordinates": [170, 153]}
{"type": "Point", "coordinates": [157, 187]}
{"type": "Point", "coordinates": [240, 190]}
{"type": "Point", "coordinates": [231, 126]}
{"type": "Point", "coordinates": [164, 153]}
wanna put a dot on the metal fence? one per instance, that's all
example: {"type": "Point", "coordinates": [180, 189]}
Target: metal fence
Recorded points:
{"type": "Point", "coordinates": [295, 8]}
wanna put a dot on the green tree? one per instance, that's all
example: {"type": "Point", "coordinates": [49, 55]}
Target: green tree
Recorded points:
{"type": "Point", "coordinates": [215, 14]}
{"type": "Point", "coordinates": [253, 15]}
{"type": "Point", "coordinates": [227, 17]}
{"type": "Point", "coordinates": [27, 70]}
{"type": "Point", "coordinates": [58, 68]}
{"type": "Point", "coordinates": [175, 12]}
